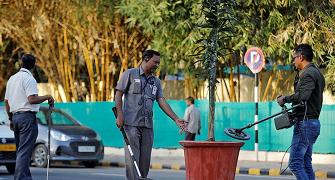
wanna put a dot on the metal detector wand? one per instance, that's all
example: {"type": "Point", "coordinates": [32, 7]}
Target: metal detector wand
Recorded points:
{"type": "Point", "coordinates": [239, 134]}
{"type": "Point", "coordinates": [128, 146]}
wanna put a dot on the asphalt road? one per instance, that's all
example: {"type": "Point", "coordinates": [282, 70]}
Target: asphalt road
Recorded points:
{"type": "Point", "coordinates": [108, 173]}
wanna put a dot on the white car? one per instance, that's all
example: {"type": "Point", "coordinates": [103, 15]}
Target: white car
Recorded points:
{"type": "Point", "coordinates": [69, 140]}
{"type": "Point", "coordinates": [7, 143]}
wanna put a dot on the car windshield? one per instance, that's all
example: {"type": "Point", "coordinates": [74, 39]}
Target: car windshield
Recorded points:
{"type": "Point", "coordinates": [58, 119]}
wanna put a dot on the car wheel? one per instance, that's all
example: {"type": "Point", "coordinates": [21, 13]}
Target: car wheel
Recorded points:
{"type": "Point", "coordinates": [40, 156]}
{"type": "Point", "coordinates": [10, 168]}
{"type": "Point", "coordinates": [90, 164]}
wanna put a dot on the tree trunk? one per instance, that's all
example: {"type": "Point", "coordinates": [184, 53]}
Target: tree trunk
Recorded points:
{"type": "Point", "coordinates": [212, 58]}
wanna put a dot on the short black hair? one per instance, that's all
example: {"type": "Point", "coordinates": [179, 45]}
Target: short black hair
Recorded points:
{"type": "Point", "coordinates": [28, 61]}
{"type": "Point", "coordinates": [191, 99]}
{"type": "Point", "coordinates": [148, 54]}
{"type": "Point", "coordinates": [305, 50]}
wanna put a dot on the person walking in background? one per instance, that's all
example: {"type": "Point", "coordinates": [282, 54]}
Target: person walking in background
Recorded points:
{"type": "Point", "coordinates": [308, 89]}
{"type": "Point", "coordinates": [22, 104]}
{"type": "Point", "coordinates": [192, 120]}
{"type": "Point", "coordinates": [140, 89]}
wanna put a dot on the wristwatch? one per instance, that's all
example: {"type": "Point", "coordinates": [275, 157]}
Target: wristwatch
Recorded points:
{"type": "Point", "coordinates": [10, 116]}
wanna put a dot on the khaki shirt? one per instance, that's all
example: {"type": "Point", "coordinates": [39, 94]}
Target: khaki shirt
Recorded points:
{"type": "Point", "coordinates": [192, 117]}
{"type": "Point", "coordinates": [19, 87]}
{"type": "Point", "coordinates": [140, 92]}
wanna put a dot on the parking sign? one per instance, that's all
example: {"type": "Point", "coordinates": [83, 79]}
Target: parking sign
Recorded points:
{"type": "Point", "coordinates": [254, 59]}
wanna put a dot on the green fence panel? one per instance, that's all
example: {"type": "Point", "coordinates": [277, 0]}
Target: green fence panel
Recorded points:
{"type": "Point", "coordinates": [326, 140]}
{"type": "Point", "coordinates": [99, 117]}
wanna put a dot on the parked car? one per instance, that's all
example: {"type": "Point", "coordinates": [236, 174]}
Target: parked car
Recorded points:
{"type": "Point", "coordinates": [69, 140]}
{"type": "Point", "coordinates": [7, 143]}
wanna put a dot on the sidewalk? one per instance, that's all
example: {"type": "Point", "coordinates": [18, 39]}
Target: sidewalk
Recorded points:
{"type": "Point", "coordinates": [268, 162]}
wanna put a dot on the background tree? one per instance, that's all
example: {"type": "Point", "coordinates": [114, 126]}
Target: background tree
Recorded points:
{"type": "Point", "coordinates": [8, 53]}
{"type": "Point", "coordinates": [82, 47]}
{"type": "Point", "coordinates": [278, 26]}
{"type": "Point", "coordinates": [171, 24]}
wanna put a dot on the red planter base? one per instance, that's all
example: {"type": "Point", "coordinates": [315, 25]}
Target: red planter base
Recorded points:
{"type": "Point", "coordinates": [210, 160]}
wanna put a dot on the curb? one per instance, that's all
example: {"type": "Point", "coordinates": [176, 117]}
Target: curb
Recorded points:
{"type": "Point", "coordinates": [257, 171]}
{"type": "Point", "coordinates": [239, 170]}
{"type": "Point", "coordinates": [276, 172]}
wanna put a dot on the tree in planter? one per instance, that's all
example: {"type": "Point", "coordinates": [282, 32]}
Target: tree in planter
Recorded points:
{"type": "Point", "coordinates": [217, 26]}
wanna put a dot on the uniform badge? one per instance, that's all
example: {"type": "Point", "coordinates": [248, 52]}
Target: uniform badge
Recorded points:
{"type": "Point", "coordinates": [154, 90]}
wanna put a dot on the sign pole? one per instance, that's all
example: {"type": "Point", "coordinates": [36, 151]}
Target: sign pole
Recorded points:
{"type": "Point", "coordinates": [254, 59]}
{"type": "Point", "coordinates": [256, 115]}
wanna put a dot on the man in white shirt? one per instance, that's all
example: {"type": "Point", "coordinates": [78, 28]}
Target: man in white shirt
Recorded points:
{"type": "Point", "coordinates": [192, 120]}
{"type": "Point", "coordinates": [22, 104]}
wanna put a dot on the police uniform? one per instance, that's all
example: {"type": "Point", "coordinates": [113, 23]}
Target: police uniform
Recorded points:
{"type": "Point", "coordinates": [140, 92]}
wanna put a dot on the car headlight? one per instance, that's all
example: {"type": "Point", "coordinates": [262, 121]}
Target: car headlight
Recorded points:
{"type": "Point", "coordinates": [59, 136]}
{"type": "Point", "coordinates": [98, 137]}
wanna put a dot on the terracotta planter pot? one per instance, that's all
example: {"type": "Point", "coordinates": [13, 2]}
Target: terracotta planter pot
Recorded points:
{"type": "Point", "coordinates": [208, 160]}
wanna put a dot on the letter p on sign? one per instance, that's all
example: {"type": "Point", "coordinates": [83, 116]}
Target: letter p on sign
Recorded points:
{"type": "Point", "coordinates": [254, 59]}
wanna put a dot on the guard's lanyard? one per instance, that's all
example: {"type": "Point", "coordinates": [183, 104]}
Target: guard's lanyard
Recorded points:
{"type": "Point", "coordinates": [145, 84]}
{"type": "Point", "coordinates": [146, 80]}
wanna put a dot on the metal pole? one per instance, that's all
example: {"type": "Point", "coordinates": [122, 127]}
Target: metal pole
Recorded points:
{"type": "Point", "coordinates": [256, 115]}
{"type": "Point", "coordinates": [49, 128]}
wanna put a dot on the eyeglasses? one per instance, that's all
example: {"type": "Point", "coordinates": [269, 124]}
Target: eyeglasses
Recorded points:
{"type": "Point", "coordinates": [293, 57]}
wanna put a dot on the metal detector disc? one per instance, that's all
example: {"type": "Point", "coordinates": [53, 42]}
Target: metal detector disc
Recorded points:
{"type": "Point", "coordinates": [237, 134]}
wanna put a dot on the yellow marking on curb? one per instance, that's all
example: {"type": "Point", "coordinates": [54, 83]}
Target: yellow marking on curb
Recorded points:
{"type": "Point", "coordinates": [156, 166]}
{"type": "Point", "coordinates": [105, 164]}
{"type": "Point", "coordinates": [254, 171]}
{"type": "Point", "coordinates": [175, 166]}
{"type": "Point", "coordinates": [274, 172]}
{"type": "Point", "coordinates": [321, 174]}
{"type": "Point", "coordinates": [237, 171]}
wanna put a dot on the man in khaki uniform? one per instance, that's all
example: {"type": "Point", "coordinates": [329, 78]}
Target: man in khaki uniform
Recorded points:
{"type": "Point", "coordinates": [140, 89]}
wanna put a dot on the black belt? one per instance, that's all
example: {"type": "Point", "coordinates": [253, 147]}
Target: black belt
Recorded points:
{"type": "Point", "coordinates": [307, 118]}
{"type": "Point", "coordinates": [22, 112]}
